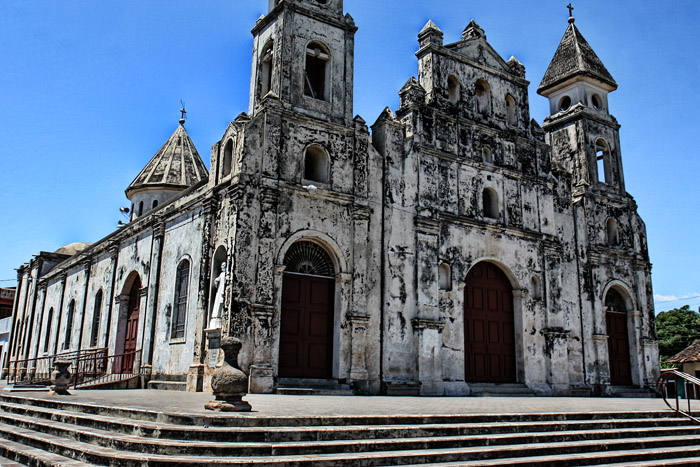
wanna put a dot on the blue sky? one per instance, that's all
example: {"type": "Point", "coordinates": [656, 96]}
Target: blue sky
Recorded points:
{"type": "Point", "coordinates": [90, 90]}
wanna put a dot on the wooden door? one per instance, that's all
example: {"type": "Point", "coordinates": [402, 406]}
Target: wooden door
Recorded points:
{"type": "Point", "coordinates": [489, 331]}
{"type": "Point", "coordinates": [618, 348]}
{"type": "Point", "coordinates": [306, 337]}
{"type": "Point", "coordinates": [131, 328]}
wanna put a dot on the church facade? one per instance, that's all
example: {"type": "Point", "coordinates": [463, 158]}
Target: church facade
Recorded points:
{"type": "Point", "coordinates": [457, 243]}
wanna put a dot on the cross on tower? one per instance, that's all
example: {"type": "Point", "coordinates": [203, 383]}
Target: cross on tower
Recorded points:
{"type": "Point", "coordinates": [571, 10]}
{"type": "Point", "coordinates": [182, 113]}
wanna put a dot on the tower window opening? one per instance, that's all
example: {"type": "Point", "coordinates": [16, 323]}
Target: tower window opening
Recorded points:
{"type": "Point", "coordinates": [228, 157]}
{"type": "Point", "coordinates": [596, 102]}
{"type": "Point", "coordinates": [453, 89]}
{"type": "Point", "coordinates": [613, 237]}
{"type": "Point", "coordinates": [266, 69]}
{"type": "Point", "coordinates": [602, 157]}
{"type": "Point", "coordinates": [315, 75]}
{"type": "Point", "coordinates": [487, 155]}
{"type": "Point", "coordinates": [510, 110]}
{"type": "Point", "coordinates": [316, 164]}
{"type": "Point", "coordinates": [481, 90]}
{"type": "Point", "coordinates": [140, 208]}
{"type": "Point", "coordinates": [155, 204]}
{"type": "Point", "coordinates": [490, 203]}
{"type": "Point", "coordinates": [564, 103]}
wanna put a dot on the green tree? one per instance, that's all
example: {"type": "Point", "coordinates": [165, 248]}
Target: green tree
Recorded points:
{"type": "Point", "coordinates": [676, 329]}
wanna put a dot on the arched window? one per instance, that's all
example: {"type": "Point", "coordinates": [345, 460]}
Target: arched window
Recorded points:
{"type": "Point", "coordinates": [564, 103]}
{"type": "Point", "coordinates": [155, 204]}
{"type": "Point", "coordinates": [602, 157]}
{"type": "Point", "coordinates": [445, 277]}
{"type": "Point", "coordinates": [316, 164]}
{"type": "Point", "coordinates": [490, 202]}
{"type": "Point", "coordinates": [612, 233]}
{"type": "Point", "coordinates": [47, 337]}
{"type": "Point", "coordinates": [453, 89]}
{"type": "Point", "coordinates": [69, 324]}
{"type": "Point", "coordinates": [614, 302]}
{"type": "Point", "coordinates": [266, 69]}
{"type": "Point", "coordinates": [182, 280]}
{"type": "Point", "coordinates": [140, 208]}
{"type": "Point", "coordinates": [510, 109]}
{"type": "Point", "coordinates": [316, 71]}
{"type": "Point", "coordinates": [228, 158]}
{"type": "Point", "coordinates": [308, 258]}
{"type": "Point", "coordinates": [487, 155]}
{"type": "Point", "coordinates": [482, 92]}
{"type": "Point", "coordinates": [596, 102]}
{"type": "Point", "coordinates": [96, 317]}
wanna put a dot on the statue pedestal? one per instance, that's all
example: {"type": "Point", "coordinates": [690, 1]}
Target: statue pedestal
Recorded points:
{"type": "Point", "coordinates": [61, 378]}
{"type": "Point", "coordinates": [214, 338]}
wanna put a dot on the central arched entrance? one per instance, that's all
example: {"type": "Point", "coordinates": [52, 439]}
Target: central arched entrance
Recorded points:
{"type": "Point", "coordinates": [618, 339]}
{"type": "Point", "coordinates": [306, 328]}
{"type": "Point", "coordinates": [489, 343]}
{"type": "Point", "coordinates": [131, 326]}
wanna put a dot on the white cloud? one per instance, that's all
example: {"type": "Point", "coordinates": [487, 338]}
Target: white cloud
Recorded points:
{"type": "Point", "coordinates": [673, 298]}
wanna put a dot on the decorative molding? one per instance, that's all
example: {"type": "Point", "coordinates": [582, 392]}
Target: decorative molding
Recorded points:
{"type": "Point", "coordinates": [427, 226]}
{"type": "Point", "coordinates": [419, 323]}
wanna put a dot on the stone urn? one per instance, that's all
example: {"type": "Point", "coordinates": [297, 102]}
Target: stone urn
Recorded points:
{"type": "Point", "coordinates": [229, 383]}
{"type": "Point", "coordinates": [61, 378]}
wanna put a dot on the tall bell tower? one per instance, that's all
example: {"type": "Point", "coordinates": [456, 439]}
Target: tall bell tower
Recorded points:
{"type": "Point", "coordinates": [583, 134]}
{"type": "Point", "coordinates": [303, 53]}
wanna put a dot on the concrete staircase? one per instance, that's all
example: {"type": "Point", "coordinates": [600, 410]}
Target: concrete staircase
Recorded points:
{"type": "Point", "coordinates": [500, 390]}
{"type": "Point", "coordinates": [49, 432]}
{"type": "Point", "coordinates": [308, 387]}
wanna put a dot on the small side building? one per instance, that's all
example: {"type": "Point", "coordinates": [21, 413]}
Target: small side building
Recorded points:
{"type": "Point", "coordinates": [688, 359]}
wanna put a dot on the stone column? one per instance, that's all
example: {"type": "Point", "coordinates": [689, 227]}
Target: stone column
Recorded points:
{"type": "Point", "coordinates": [261, 372]}
{"type": "Point", "coordinates": [602, 363]}
{"type": "Point", "coordinates": [111, 300]}
{"type": "Point", "coordinates": [358, 368]}
{"type": "Point", "coordinates": [152, 304]}
{"type": "Point", "coordinates": [557, 348]}
{"type": "Point", "coordinates": [428, 336]}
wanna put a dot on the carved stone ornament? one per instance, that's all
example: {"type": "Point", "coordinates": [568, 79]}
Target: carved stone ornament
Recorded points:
{"type": "Point", "coordinates": [61, 378]}
{"type": "Point", "coordinates": [229, 383]}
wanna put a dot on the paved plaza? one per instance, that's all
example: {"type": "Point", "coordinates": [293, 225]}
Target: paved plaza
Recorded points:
{"type": "Point", "coordinates": [271, 405]}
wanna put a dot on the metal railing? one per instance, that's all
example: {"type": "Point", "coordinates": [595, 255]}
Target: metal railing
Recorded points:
{"type": "Point", "coordinates": [37, 371]}
{"type": "Point", "coordinates": [679, 385]}
{"type": "Point", "coordinates": [107, 369]}
{"type": "Point", "coordinates": [88, 368]}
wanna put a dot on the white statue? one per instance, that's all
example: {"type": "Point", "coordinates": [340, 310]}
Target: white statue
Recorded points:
{"type": "Point", "coordinates": [216, 310]}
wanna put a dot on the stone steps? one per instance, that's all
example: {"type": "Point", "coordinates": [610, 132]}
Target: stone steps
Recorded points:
{"type": "Point", "coordinates": [45, 431]}
{"type": "Point", "coordinates": [500, 390]}
{"type": "Point", "coordinates": [168, 385]}
{"type": "Point", "coordinates": [309, 387]}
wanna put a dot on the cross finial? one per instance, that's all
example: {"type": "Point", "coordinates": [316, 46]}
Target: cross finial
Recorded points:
{"type": "Point", "coordinates": [182, 113]}
{"type": "Point", "coordinates": [571, 13]}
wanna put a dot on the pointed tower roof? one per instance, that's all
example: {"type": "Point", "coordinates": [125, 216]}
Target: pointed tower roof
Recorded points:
{"type": "Point", "coordinates": [176, 165]}
{"type": "Point", "coordinates": [574, 57]}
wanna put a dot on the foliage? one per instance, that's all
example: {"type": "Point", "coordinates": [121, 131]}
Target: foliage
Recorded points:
{"type": "Point", "coordinates": [676, 329]}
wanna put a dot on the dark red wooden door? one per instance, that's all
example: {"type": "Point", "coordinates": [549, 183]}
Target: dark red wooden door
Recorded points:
{"type": "Point", "coordinates": [132, 325]}
{"type": "Point", "coordinates": [306, 338]}
{"type": "Point", "coordinates": [489, 344]}
{"type": "Point", "coordinates": [618, 348]}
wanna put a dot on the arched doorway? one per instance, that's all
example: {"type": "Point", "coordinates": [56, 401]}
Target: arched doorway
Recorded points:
{"type": "Point", "coordinates": [489, 331]}
{"type": "Point", "coordinates": [130, 326]}
{"type": "Point", "coordinates": [618, 339]}
{"type": "Point", "coordinates": [306, 328]}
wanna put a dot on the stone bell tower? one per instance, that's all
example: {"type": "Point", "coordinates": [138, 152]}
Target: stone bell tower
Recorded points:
{"type": "Point", "coordinates": [303, 54]}
{"type": "Point", "coordinates": [609, 248]}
